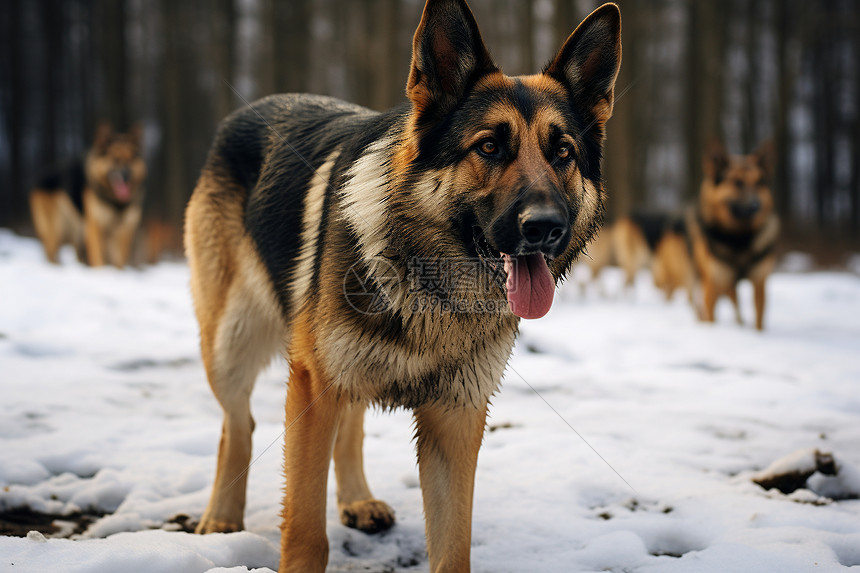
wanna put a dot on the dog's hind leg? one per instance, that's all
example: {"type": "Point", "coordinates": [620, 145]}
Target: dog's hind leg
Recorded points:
{"type": "Point", "coordinates": [45, 209]}
{"type": "Point", "coordinates": [448, 444]}
{"type": "Point", "coordinates": [244, 339]}
{"type": "Point", "coordinates": [357, 506]}
{"type": "Point", "coordinates": [240, 330]}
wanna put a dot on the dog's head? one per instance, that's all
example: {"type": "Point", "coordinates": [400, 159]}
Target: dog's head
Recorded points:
{"type": "Point", "coordinates": [115, 168]}
{"type": "Point", "coordinates": [735, 194]}
{"type": "Point", "coordinates": [515, 161]}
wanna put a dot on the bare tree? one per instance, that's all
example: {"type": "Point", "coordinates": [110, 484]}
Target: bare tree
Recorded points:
{"type": "Point", "coordinates": [734, 69]}
{"type": "Point", "coordinates": [223, 49]}
{"type": "Point", "coordinates": [854, 185]}
{"type": "Point", "coordinates": [109, 24]}
{"type": "Point", "coordinates": [13, 90]}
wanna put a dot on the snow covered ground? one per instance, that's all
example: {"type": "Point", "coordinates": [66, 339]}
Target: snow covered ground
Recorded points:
{"type": "Point", "coordinates": [105, 411]}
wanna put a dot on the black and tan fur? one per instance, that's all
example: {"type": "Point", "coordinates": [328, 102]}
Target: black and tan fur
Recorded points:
{"type": "Point", "coordinates": [672, 265]}
{"type": "Point", "coordinates": [734, 228]}
{"type": "Point", "coordinates": [93, 204]}
{"type": "Point", "coordinates": [629, 242]}
{"type": "Point", "coordinates": [306, 200]}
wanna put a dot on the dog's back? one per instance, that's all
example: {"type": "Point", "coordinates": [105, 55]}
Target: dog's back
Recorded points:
{"type": "Point", "coordinates": [56, 205]}
{"type": "Point", "coordinates": [243, 200]}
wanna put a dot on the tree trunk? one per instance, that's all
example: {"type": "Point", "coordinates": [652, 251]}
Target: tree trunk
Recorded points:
{"type": "Point", "coordinates": [174, 154]}
{"type": "Point", "coordinates": [292, 45]}
{"type": "Point", "coordinates": [698, 59]}
{"type": "Point", "coordinates": [854, 187]}
{"type": "Point", "coordinates": [13, 195]}
{"type": "Point", "coordinates": [623, 158]}
{"type": "Point", "coordinates": [223, 49]}
{"type": "Point", "coordinates": [823, 58]}
{"type": "Point", "coordinates": [110, 27]}
{"type": "Point", "coordinates": [565, 20]}
{"type": "Point", "coordinates": [526, 28]}
{"type": "Point", "coordinates": [53, 67]}
{"type": "Point", "coordinates": [746, 11]}
{"type": "Point", "coordinates": [383, 93]}
{"type": "Point", "coordinates": [786, 76]}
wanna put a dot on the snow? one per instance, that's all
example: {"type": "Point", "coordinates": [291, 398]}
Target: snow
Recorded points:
{"type": "Point", "coordinates": [625, 437]}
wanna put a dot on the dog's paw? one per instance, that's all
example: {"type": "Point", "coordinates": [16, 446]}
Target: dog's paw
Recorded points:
{"type": "Point", "coordinates": [368, 515]}
{"type": "Point", "coordinates": [209, 525]}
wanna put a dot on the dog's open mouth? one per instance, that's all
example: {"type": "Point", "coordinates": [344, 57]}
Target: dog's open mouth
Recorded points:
{"type": "Point", "coordinates": [528, 281]}
{"type": "Point", "coordinates": [491, 257]}
{"type": "Point", "coordinates": [120, 186]}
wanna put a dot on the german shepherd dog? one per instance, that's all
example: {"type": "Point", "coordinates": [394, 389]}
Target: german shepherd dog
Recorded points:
{"type": "Point", "coordinates": [95, 202]}
{"type": "Point", "coordinates": [630, 242]}
{"type": "Point", "coordinates": [672, 265]}
{"type": "Point", "coordinates": [734, 229]}
{"type": "Point", "coordinates": [391, 256]}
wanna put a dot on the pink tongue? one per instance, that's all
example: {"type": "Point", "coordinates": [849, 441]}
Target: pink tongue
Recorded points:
{"type": "Point", "coordinates": [530, 285]}
{"type": "Point", "coordinates": [120, 188]}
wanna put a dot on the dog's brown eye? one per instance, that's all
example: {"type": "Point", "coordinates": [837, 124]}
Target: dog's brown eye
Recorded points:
{"type": "Point", "coordinates": [563, 152]}
{"type": "Point", "coordinates": [488, 147]}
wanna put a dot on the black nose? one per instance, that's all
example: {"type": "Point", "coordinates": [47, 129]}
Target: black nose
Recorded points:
{"type": "Point", "coordinates": [542, 228]}
{"type": "Point", "coordinates": [745, 210]}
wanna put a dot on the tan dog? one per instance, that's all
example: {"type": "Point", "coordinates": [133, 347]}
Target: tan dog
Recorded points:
{"type": "Point", "coordinates": [56, 205]}
{"type": "Point", "coordinates": [113, 195]}
{"type": "Point", "coordinates": [94, 203]}
{"type": "Point", "coordinates": [672, 265]}
{"type": "Point", "coordinates": [734, 228]}
{"type": "Point", "coordinates": [642, 240]}
{"type": "Point", "coordinates": [392, 255]}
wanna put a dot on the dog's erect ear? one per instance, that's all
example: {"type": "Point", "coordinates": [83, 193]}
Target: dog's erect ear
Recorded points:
{"type": "Point", "coordinates": [589, 61]}
{"type": "Point", "coordinates": [448, 56]}
{"type": "Point", "coordinates": [715, 161]}
{"type": "Point", "coordinates": [103, 136]}
{"type": "Point", "coordinates": [765, 159]}
{"type": "Point", "coordinates": [135, 134]}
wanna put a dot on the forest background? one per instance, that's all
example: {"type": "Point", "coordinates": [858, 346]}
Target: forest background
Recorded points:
{"type": "Point", "coordinates": [738, 70]}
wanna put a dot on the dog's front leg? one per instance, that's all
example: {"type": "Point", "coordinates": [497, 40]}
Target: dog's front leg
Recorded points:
{"type": "Point", "coordinates": [93, 230]}
{"type": "Point", "coordinates": [312, 412]}
{"type": "Point", "coordinates": [124, 236]}
{"type": "Point", "coordinates": [759, 298]}
{"type": "Point", "coordinates": [448, 442]}
{"type": "Point", "coordinates": [358, 508]}
{"type": "Point", "coordinates": [733, 296]}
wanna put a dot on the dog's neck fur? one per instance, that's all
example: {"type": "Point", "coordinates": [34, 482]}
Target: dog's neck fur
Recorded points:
{"type": "Point", "coordinates": [742, 250]}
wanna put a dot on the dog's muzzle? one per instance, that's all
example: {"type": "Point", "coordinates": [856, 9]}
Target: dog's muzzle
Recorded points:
{"type": "Point", "coordinates": [543, 229]}
{"type": "Point", "coordinates": [745, 210]}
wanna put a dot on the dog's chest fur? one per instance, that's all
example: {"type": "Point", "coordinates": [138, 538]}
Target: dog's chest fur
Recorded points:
{"type": "Point", "coordinates": [435, 359]}
{"type": "Point", "coordinates": [408, 353]}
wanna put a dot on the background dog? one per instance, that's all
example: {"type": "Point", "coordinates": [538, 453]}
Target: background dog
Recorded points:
{"type": "Point", "coordinates": [641, 240]}
{"type": "Point", "coordinates": [57, 207]}
{"type": "Point", "coordinates": [392, 255]}
{"type": "Point", "coordinates": [734, 228]}
{"type": "Point", "coordinates": [94, 203]}
{"type": "Point", "coordinates": [672, 265]}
